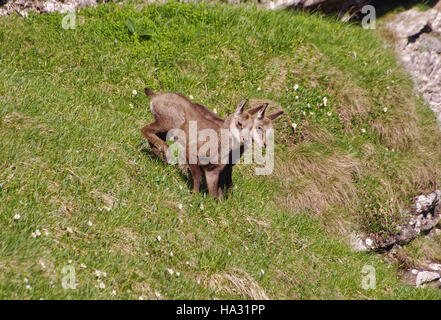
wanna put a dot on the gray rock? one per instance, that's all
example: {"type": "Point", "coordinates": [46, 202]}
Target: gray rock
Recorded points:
{"type": "Point", "coordinates": [426, 276]}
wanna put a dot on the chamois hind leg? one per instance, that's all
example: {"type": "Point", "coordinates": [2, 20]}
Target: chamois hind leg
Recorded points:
{"type": "Point", "coordinates": [158, 146]}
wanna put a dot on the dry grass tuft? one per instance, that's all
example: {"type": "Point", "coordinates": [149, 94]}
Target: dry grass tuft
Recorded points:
{"type": "Point", "coordinates": [238, 282]}
{"type": "Point", "coordinates": [315, 181]}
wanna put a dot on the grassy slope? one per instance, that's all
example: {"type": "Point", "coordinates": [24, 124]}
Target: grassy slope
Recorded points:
{"type": "Point", "coordinates": [70, 147]}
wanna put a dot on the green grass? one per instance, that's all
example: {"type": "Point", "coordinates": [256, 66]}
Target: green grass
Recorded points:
{"type": "Point", "coordinates": [71, 153]}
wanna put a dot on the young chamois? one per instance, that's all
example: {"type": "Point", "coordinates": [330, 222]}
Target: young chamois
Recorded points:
{"type": "Point", "coordinates": [173, 111]}
{"type": "Point", "coordinates": [261, 125]}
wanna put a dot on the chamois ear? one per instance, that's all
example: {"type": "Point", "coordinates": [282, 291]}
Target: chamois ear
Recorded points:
{"type": "Point", "coordinates": [255, 109]}
{"type": "Point", "coordinates": [240, 107]}
{"type": "Point", "coordinates": [261, 113]}
{"type": "Point", "coordinates": [276, 114]}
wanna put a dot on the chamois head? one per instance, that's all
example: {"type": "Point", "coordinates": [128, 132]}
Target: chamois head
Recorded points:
{"type": "Point", "coordinates": [240, 124]}
{"type": "Point", "coordinates": [262, 124]}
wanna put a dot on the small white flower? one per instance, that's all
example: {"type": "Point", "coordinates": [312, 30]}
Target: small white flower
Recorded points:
{"type": "Point", "coordinates": [141, 298]}
{"type": "Point", "coordinates": [369, 242]}
{"type": "Point", "coordinates": [43, 265]}
{"type": "Point", "coordinates": [134, 92]}
{"type": "Point", "coordinates": [180, 206]}
{"type": "Point", "coordinates": [329, 113]}
{"type": "Point", "coordinates": [262, 271]}
{"type": "Point", "coordinates": [99, 273]}
{"type": "Point", "coordinates": [198, 281]}
{"type": "Point", "coordinates": [311, 113]}
{"type": "Point", "coordinates": [308, 105]}
{"type": "Point", "coordinates": [325, 101]}
{"type": "Point", "coordinates": [363, 130]}
{"type": "Point", "coordinates": [294, 126]}
{"type": "Point", "coordinates": [113, 292]}
{"type": "Point", "coordinates": [28, 287]}
{"type": "Point", "coordinates": [69, 229]}
{"type": "Point", "coordinates": [17, 216]}
{"type": "Point", "coordinates": [304, 113]}
{"type": "Point", "coordinates": [191, 97]}
{"type": "Point", "coordinates": [178, 273]}
{"type": "Point", "coordinates": [110, 101]}
{"type": "Point", "coordinates": [202, 207]}
{"type": "Point", "coordinates": [171, 254]}
{"type": "Point", "coordinates": [159, 238]}
{"type": "Point", "coordinates": [385, 110]}
{"type": "Point", "coordinates": [69, 261]}
{"type": "Point", "coordinates": [187, 263]}
{"type": "Point", "coordinates": [296, 86]}
{"type": "Point", "coordinates": [90, 223]}
{"type": "Point", "coordinates": [229, 253]}
{"type": "Point", "coordinates": [131, 105]}
{"type": "Point", "coordinates": [170, 271]}
{"type": "Point", "coordinates": [214, 110]}
{"type": "Point", "coordinates": [258, 89]}
{"type": "Point", "coordinates": [180, 187]}
{"type": "Point", "coordinates": [83, 266]}
{"type": "Point", "coordinates": [157, 294]}
{"type": "Point", "coordinates": [102, 285]}
{"type": "Point", "coordinates": [297, 97]}
{"type": "Point", "coordinates": [25, 280]}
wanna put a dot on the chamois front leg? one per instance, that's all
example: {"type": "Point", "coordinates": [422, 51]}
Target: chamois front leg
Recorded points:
{"type": "Point", "coordinates": [228, 177]}
{"type": "Point", "coordinates": [212, 178]}
{"type": "Point", "coordinates": [196, 172]}
{"type": "Point", "coordinates": [158, 146]}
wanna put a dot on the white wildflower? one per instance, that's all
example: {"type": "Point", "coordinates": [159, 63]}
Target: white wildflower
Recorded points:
{"type": "Point", "coordinates": [141, 298]}
{"type": "Point", "coordinates": [262, 271]}
{"type": "Point", "coordinates": [159, 238]}
{"type": "Point", "coordinates": [17, 216]}
{"type": "Point", "coordinates": [180, 206]}
{"type": "Point", "coordinates": [297, 97]}
{"type": "Point", "coordinates": [191, 97]}
{"type": "Point", "coordinates": [90, 223]}
{"type": "Point", "coordinates": [214, 110]}
{"type": "Point", "coordinates": [69, 229]}
{"type": "Point", "coordinates": [131, 105]}
{"type": "Point", "coordinates": [325, 101]}
{"type": "Point", "coordinates": [385, 110]}
{"type": "Point", "coordinates": [258, 89]}
{"type": "Point", "coordinates": [102, 285]}
{"type": "Point", "coordinates": [294, 126]}
{"type": "Point", "coordinates": [170, 271]}
{"type": "Point", "coordinates": [83, 266]}
{"type": "Point", "coordinates": [28, 287]}
{"type": "Point", "coordinates": [25, 280]}
{"type": "Point", "coordinates": [296, 86]}
{"type": "Point", "coordinates": [363, 130]}
{"type": "Point", "coordinates": [229, 253]}
{"type": "Point", "coordinates": [113, 292]}
{"type": "Point", "coordinates": [134, 92]}
{"type": "Point", "coordinates": [171, 254]}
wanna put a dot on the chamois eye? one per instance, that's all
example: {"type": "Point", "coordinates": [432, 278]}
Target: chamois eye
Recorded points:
{"type": "Point", "coordinates": [239, 124]}
{"type": "Point", "coordinates": [259, 128]}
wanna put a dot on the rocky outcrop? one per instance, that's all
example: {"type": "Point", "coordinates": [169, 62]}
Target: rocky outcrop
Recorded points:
{"type": "Point", "coordinates": [22, 7]}
{"type": "Point", "coordinates": [418, 42]}
{"type": "Point", "coordinates": [426, 215]}
{"type": "Point", "coordinates": [324, 5]}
